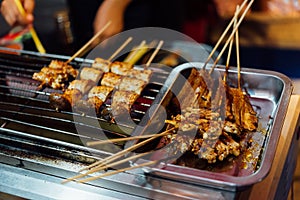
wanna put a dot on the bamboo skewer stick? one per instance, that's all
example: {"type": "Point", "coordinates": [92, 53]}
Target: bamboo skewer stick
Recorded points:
{"type": "Point", "coordinates": [238, 55]}
{"type": "Point", "coordinates": [118, 171]}
{"type": "Point", "coordinates": [223, 35]}
{"type": "Point", "coordinates": [106, 161]}
{"type": "Point", "coordinates": [93, 143]}
{"type": "Point", "coordinates": [89, 42]}
{"type": "Point", "coordinates": [121, 153]}
{"type": "Point", "coordinates": [231, 35]}
{"type": "Point", "coordinates": [154, 53]}
{"type": "Point", "coordinates": [120, 48]}
{"type": "Point", "coordinates": [135, 52]}
{"type": "Point", "coordinates": [34, 35]}
{"type": "Point", "coordinates": [230, 49]}
{"type": "Point", "coordinates": [97, 169]}
{"type": "Point", "coordinates": [227, 61]}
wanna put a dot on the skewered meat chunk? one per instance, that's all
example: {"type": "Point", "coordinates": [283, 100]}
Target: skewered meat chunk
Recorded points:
{"type": "Point", "coordinates": [232, 128]}
{"type": "Point", "coordinates": [82, 85]}
{"type": "Point", "coordinates": [57, 64]}
{"type": "Point", "coordinates": [140, 74]}
{"type": "Point", "coordinates": [101, 92]}
{"type": "Point", "coordinates": [194, 90]}
{"type": "Point", "coordinates": [92, 74]}
{"type": "Point", "coordinates": [122, 102]}
{"type": "Point", "coordinates": [55, 81]}
{"type": "Point", "coordinates": [102, 64]}
{"type": "Point", "coordinates": [121, 68]}
{"type": "Point", "coordinates": [91, 105]}
{"type": "Point", "coordinates": [110, 79]}
{"type": "Point", "coordinates": [242, 110]}
{"type": "Point", "coordinates": [96, 97]}
{"type": "Point", "coordinates": [56, 75]}
{"type": "Point", "coordinates": [132, 84]}
{"type": "Point", "coordinates": [66, 100]}
{"type": "Point", "coordinates": [215, 138]}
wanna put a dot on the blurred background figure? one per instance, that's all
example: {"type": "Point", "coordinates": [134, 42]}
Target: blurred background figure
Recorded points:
{"type": "Point", "coordinates": [89, 17]}
{"type": "Point", "coordinates": [269, 35]}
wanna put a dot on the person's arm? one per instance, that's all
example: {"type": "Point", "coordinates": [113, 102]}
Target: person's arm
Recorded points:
{"type": "Point", "coordinates": [12, 15]}
{"type": "Point", "coordinates": [111, 10]}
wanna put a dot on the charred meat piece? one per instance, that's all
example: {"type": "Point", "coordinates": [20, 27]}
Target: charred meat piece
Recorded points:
{"type": "Point", "coordinates": [132, 84]}
{"type": "Point", "coordinates": [194, 88]}
{"type": "Point", "coordinates": [82, 85]}
{"type": "Point", "coordinates": [60, 65]}
{"type": "Point", "coordinates": [102, 92]}
{"type": "Point", "coordinates": [92, 74]}
{"type": "Point", "coordinates": [242, 110]}
{"type": "Point", "coordinates": [111, 80]}
{"type": "Point", "coordinates": [101, 64]}
{"type": "Point", "coordinates": [55, 81]}
{"type": "Point", "coordinates": [122, 102]}
{"type": "Point", "coordinates": [66, 100]}
{"type": "Point", "coordinates": [140, 74]}
{"type": "Point", "coordinates": [56, 75]}
{"type": "Point", "coordinates": [89, 106]}
{"type": "Point", "coordinates": [121, 68]}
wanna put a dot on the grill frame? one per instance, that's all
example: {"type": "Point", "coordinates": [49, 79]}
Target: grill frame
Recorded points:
{"type": "Point", "coordinates": [132, 185]}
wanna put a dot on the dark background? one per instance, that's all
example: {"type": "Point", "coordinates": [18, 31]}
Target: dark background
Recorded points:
{"type": "Point", "coordinates": [286, 61]}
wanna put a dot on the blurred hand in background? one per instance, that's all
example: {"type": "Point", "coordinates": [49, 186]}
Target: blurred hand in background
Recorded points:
{"type": "Point", "coordinates": [12, 15]}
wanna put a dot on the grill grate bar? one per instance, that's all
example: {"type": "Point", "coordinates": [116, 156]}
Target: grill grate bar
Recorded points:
{"type": "Point", "coordinates": [55, 119]}
{"type": "Point", "coordinates": [5, 69]}
{"type": "Point", "coordinates": [27, 138]}
{"type": "Point", "coordinates": [38, 126]}
{"type": "Point", "coordinates": [26, 110]}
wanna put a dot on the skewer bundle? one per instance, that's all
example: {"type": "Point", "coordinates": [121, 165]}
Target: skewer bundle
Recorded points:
{"type": "Point", "coordinates": [99, 81]}
{"type": "Point", "coordinates": [214, 141]}
{"type": "Point", "coordinates": [117, 81]}
{"type": "Point", "coordinates": [210, 146]}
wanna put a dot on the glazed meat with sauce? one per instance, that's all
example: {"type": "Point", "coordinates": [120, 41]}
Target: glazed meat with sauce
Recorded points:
{"type": "Point", "coordinates": [218, 127]}
{"type": "Point", "coordinates": [56, 75]}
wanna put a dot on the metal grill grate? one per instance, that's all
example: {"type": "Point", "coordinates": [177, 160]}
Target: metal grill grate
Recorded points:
{"type": "Point", "coordinates": [26, 112]}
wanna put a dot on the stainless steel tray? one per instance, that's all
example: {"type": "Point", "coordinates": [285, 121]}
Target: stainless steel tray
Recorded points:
{"type": "Point", "coordinates": [269, 93]}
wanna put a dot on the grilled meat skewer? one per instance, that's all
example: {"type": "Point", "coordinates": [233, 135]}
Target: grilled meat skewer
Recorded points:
{"type": "Point", "coordinates": [122, 102]}
{"type": "Point", "coordinates": [120, 68]}
{"type": "Point", "coordinates": [101, 64]}
{"type": "Point", "coordinates": [141, 74]}
{"type": "Point", "coordinates": [132, 85]}
{"type": "Point", "coordinates": [66, 100]}
{"type": "Point", "coordinates": [111, 80]}
{"type": "Point", "coordinates": [92, 74]}
{"type": "Point", "coordinates": [56, 75]}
